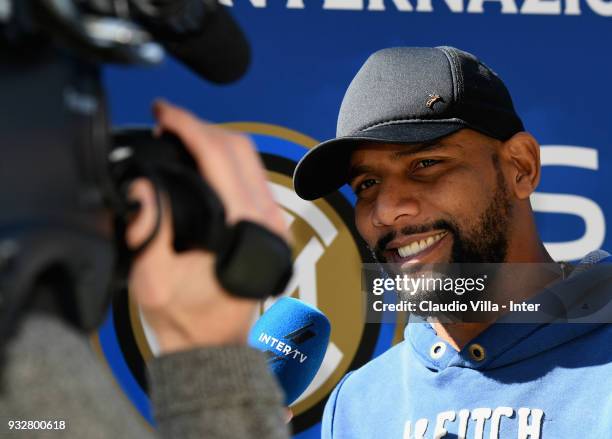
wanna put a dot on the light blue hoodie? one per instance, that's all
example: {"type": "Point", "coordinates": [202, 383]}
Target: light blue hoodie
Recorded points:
{"type": "Point", "coordinates": [550, 381]}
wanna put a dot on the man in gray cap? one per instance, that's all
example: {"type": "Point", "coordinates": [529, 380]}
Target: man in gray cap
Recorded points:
{"type": "Point", "coordinates": [430, 143]}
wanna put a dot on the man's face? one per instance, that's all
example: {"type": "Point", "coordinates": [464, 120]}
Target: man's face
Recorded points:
{"type": "Point", "coordinates": [439, 202]}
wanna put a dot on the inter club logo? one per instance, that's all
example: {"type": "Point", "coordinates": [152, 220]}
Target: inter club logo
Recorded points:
{"type": "Point", "coordinates": [327, 274]}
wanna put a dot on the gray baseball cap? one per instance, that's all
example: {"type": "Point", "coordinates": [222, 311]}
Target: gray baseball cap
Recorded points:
{"type": "Point", "coordinates": [408, 95]}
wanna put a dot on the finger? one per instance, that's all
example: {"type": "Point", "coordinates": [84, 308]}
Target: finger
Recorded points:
{"type": "Point", "coordinates": [230, 164]}
{"type": "Point", "coordinates": [146, 285]}
{"type": "Point", "coordinates": [184, 124]}
{"type": "Point", "coordinates": [253, 171]}
{"type": "Point", "coordinates": [142, 223]}
{"type": "Point", "coordinates": [212, 149]}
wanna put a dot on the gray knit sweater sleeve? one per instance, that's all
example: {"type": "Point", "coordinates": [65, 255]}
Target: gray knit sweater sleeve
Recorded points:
{"type": "Point", "coordinates": [216, 392]}
{"type": "Point", "coordinates": [49, 372]}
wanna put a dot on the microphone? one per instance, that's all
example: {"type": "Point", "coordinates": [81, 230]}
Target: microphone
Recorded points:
{"type": "Point", "coordinates": [294, 336]}
{"type": "Point", "coordinates": [199, 33]}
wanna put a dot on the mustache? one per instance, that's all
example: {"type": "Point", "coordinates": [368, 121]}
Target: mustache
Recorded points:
{"type": "Point", "coordinates": [384, 240]}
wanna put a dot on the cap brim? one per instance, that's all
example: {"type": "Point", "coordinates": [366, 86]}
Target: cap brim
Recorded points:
{"type": "Point", "coordinates": [324, 168]}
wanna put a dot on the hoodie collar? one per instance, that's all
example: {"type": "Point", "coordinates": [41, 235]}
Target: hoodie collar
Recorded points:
{"type": "Point", "coordinates": [504, 343]}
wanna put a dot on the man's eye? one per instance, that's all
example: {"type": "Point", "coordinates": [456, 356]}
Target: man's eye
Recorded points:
{"type": "Point", "coordinates": [427, 163]}
{"type": "Point", "coordinates": [365, 184]}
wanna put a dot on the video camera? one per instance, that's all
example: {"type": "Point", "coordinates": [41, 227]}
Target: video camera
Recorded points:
{"type": "Point", "coordinates": [63, 202]}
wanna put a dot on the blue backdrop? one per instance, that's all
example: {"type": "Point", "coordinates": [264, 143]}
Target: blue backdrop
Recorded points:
{"type": "Point", "coordinates": [557, 66]}
{"type": "Point", "coordinates": [553, 55]}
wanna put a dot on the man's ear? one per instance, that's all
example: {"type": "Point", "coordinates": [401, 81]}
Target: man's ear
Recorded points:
{"type": "Point", "coordinates": [522, 152]}
{"type": "Point", "coordinates": [142, 224]}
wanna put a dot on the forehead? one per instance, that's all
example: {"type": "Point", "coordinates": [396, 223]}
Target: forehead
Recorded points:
{"type": "Point", "coordinates": [460, 143]}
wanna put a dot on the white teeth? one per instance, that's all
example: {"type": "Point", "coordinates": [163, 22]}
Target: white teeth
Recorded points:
{"type": "Point", "coordinates": [418, 246]}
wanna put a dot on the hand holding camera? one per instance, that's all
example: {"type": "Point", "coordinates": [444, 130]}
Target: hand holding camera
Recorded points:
{"type": "Point", "coordinates": [187, 297]}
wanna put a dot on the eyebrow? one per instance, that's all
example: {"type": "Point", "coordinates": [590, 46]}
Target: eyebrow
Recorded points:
{"type": "Point", "coordinates": [357, 170]}
{"type": "Point", "coordinates": [422, 147]}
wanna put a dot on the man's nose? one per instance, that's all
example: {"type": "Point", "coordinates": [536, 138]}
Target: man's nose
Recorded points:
{"type": "Point", "coordinates": [395, 203]}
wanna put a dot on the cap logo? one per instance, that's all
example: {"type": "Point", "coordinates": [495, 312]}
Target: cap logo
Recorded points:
{"type": "Point", "coordinates": [432, 100]}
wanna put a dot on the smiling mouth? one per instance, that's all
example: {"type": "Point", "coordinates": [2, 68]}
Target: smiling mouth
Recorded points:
{"type": "Point", "coordinates": [419, 246]}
